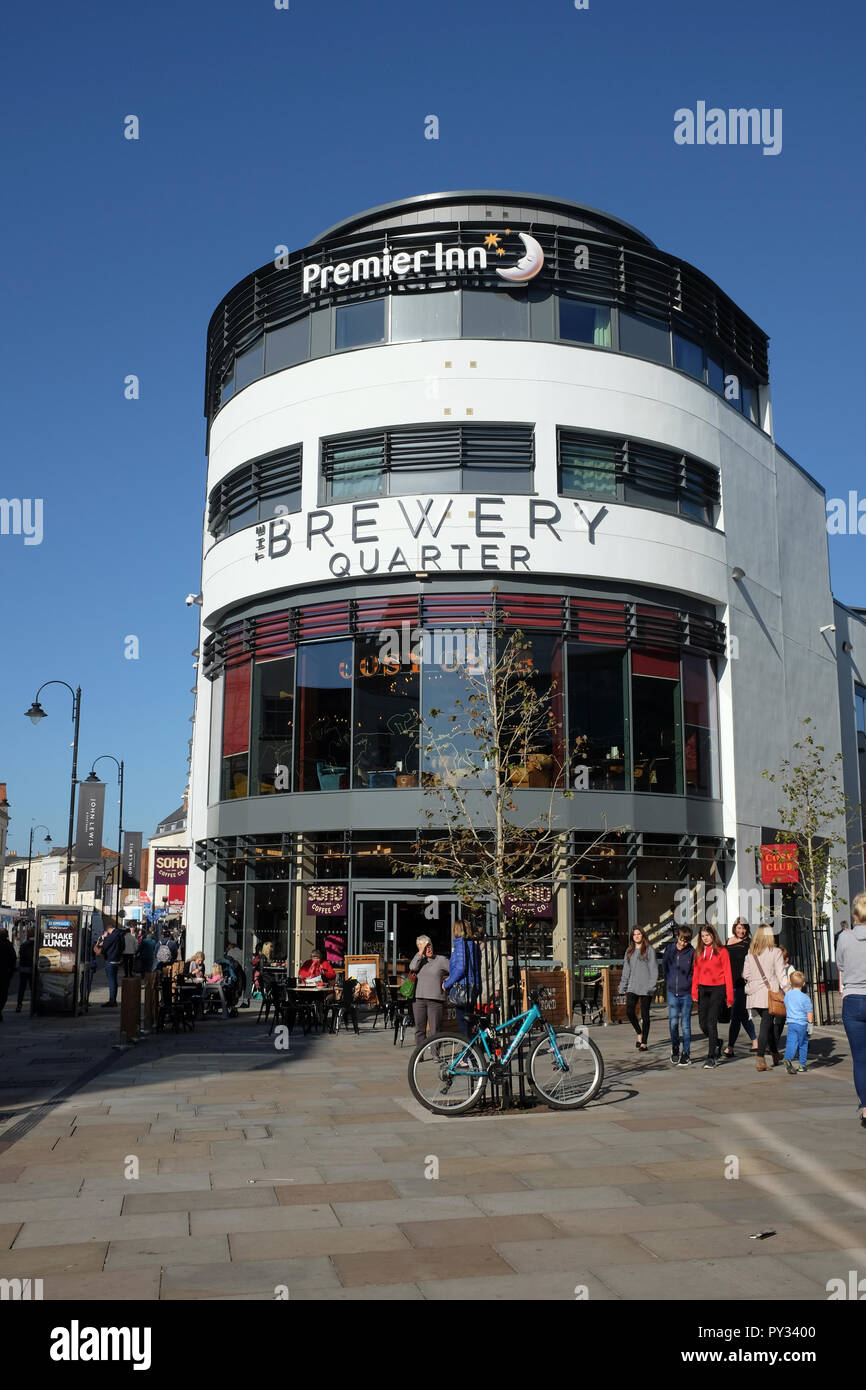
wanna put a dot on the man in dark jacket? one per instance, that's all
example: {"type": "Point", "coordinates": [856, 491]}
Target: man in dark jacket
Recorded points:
{"type": "Point", "coordinates": [7, 967]}
{"type": "Point", "coordinates": [678, 963]}
{"type": "Point", "coordinates": [112, 954]}
{"type": "Point", "coordinates": [25, 968]}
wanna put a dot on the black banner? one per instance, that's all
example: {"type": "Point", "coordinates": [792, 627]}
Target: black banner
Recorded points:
{"type": "Point", "coordinates": [20, 885]}
{"type": "Point", "coordinates": [88, 834]}
{"type": "Point", "coordinates": [132, 858]}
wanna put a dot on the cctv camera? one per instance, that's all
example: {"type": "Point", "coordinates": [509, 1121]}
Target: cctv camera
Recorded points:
{"type": "Point", "coordinates": [828, 627]}
{"type": "Point", "coordinates": [192, 598]}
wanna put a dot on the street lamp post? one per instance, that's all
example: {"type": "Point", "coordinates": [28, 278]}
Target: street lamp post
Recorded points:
{"type": "Point", "coordinates": [93, 778]}
{"type": "Point", "coordinates": [34, 714]}
{"type": "Point", "coordinates": [30, 856]}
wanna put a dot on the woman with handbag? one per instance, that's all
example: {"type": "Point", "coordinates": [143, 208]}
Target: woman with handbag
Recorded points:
{"type": "Point", "coordinates": [766, 983]}
{"type": "Point", "coordinates": [712, 988]}
{"type": "Point", "coordinates": [428, 970]}
{"type": "Point", "coordinates": [464, 978]}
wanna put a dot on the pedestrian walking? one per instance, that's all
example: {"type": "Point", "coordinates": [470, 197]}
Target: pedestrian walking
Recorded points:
{"type": "Point", "coordinates": [8, 962]}
{"type": "Point", "coordinates": [764, 973]}
{"type": "Point", "coordinates": [25, 968]}
{"type": "Point", "coordinates": [851, 961]}
{"type": "Point", "coordinates": [130, 946]}
{"type": "Point", "coordinates": [429, 998]}
{"type": "Point", "coordinates": [640, 973]}
{"type": "Point", "coordinates": [463, 982]}
{"type": "Point", "coordinates": [678, 963]}
{"type": "Point", "coordinates": [738, 948]}
{"type": "Point", "coordinates": [712, 988]}
{"type": "Point", "coordinates": [111, 943]}
{"type": "Point", "coordinates": [798, 1011]}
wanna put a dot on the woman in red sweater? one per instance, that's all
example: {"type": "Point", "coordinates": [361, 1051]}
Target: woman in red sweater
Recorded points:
{"type": "Point", "coordinates": [712, 988]}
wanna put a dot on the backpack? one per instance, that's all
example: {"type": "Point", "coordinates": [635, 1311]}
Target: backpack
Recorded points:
{"type": "Point", "coordinates": [164, 954]}
{"type": "Point", "coordinates": [229, 969]}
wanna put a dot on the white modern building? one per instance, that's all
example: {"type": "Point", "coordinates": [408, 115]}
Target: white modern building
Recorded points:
{"type": "Point", "coordinates": [472, 392]}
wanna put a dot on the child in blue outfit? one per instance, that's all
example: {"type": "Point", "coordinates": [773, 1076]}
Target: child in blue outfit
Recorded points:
{"type": "Point", "coordinates": [798, 1008]}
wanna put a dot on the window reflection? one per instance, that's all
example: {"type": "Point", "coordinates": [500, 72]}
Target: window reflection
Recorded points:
{"type": "Point", "coordinates": [385, 717]}
{"type": "Point", "coordinates": [273, 717]}
{"type": "Point", "coordinates": [655, 723]}
{"type": "Point", "coordinates": [324, 707]}
{"type": "Point", "coordinates": [597, 731]}
{"type": "Point", "coordinates": [701, 750]}
{"type": "Point", "coordinates": [236, 732]}
{"type": "Point", "coordinates": [584, 323]}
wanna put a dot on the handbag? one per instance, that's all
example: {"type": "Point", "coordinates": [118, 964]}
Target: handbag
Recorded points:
{"type": "Point", "coordinates": [461, 994]}
{"type": "Point", "coordinates": [775, 997]}
{"type": "Point", "coordinates": [407, 988]}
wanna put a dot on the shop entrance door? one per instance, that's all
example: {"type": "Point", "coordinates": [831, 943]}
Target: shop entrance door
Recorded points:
{"type": "Point", "coordinates": [389, 924]}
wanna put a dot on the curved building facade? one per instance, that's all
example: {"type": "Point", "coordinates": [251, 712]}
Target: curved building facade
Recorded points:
{"type": "Point", "coordinates": [474, 407]}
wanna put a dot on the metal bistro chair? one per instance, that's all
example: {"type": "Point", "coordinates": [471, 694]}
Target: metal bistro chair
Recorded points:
{"type": "Point", "coordinates": [403, 1017]}
{"type": "Point", "coordinates": [283, 1005]}
{"type": "Point", "coordinates": [173, 1008]}
{"type": "Point", "coordinates": [383, 1004]}
{"type": "Point", "coordinates": [343, 1007]}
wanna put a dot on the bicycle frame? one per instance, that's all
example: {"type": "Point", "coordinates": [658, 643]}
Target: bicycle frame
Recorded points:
{"type": "Point", "coordinates": [526, 1021]}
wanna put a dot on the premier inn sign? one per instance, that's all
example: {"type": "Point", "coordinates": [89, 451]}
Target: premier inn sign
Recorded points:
{"type": "Point", "coordinates": [437, 258]}
{"type": "Point", "coordinates": [422, 534]}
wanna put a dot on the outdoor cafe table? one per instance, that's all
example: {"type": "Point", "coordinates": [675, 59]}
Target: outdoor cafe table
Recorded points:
{"type": "Point", "coordinates": [317, 995]}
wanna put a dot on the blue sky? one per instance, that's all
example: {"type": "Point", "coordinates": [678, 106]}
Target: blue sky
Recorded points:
{"type": "Point", "coordinates": [261, 127]}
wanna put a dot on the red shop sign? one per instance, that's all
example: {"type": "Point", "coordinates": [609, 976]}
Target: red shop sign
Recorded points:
{"type": "Point", "coordinates": [779, 864]}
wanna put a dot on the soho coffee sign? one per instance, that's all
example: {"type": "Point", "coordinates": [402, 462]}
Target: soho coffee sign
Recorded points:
{"type": "Point", "coordinates": [505, 535]}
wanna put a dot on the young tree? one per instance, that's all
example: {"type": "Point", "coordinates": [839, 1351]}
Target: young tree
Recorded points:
{"type": "Point", "coordinates": [816, 815]}
{"type": "Point", "coordinates": [502, 733]}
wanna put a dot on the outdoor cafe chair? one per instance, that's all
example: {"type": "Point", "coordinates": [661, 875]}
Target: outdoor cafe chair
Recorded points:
{"type": "Point", "coordinates": [383, 1002]}
{"type": "Point", "coordinates": [343, 1007]}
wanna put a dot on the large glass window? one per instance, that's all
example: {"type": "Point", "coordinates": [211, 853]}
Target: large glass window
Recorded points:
{"type": "Point", "coordinates": [584, 323]}
{"type": "Point", "coordinates": [689, 357]}
{"type": "Point", "coordinates": [701, 742]}
{"type": "Point", "coordinates": [271, 920]}
{"type": "Point", "coordinates": [644, 338]}
{"type": "Point", "coordinates": [385, 717]}
{"type": "Point", "coordinates": [236, 732]}
{"type": "Point", "coordinates": [288, 345]}
{"type": "Point", "coordinates": [601, 924]}
{"type": "Point", "coordinates": [273, 718]}
{"type": "Point", "coordinates": [597, 729]}
{"type": "Point", "coordinates": [655, 692]}
{"type": "Point", "coordinates": [423, 316]}
{"type": "Point", "coordinates": [587, 466]}
{"type": "Point", "coordinates": [534, 746]}
{"type": "Point", "coordinates": [429, 458]}
{"type": "Point", "coordinates": [323, 715]}
{"type": "Point", "coordinates": [449, 751]}
{"type": "Point", "coordinates": [499, 314]}
{"type": "Point", "coordinates": [358, 325]}
{"type": "Point", "coordinates": [356, 468]}
{"type": "Point", "coordinates": [250, 365]}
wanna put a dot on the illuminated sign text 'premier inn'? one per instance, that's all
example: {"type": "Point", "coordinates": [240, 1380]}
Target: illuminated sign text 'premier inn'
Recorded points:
{"type": "Point", "coordinates": [350, 539]}
{"type": "Point", "coordinates": [401, 263]}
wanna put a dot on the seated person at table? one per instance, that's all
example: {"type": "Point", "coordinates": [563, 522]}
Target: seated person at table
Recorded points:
{"type": "Point", "coordinates": [215, 983]}
{"type": "Point", "coordinates": [195, 966]}
{"type": "Point", "coordinates": [317, 970]}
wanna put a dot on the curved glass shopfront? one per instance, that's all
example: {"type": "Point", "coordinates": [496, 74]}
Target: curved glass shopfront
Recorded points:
{"type": "Point", "coordinates": [344, 696]}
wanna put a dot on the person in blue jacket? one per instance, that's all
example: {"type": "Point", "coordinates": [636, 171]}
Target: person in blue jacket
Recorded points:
{"type": "Point", "coordinates": [678, 963]}
{"type": "Point", "coordinates": [466, 972]}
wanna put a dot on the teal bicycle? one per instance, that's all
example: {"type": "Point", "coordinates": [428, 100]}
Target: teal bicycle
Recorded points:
{"type": "Point", "coordinates": [449, 1075]}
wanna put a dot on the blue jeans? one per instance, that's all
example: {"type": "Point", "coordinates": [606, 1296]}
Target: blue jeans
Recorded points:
{"type": "Point", "coordinates": [680, 1015]}
{"type": "Point", "coordinates": [797, 1043]}
{"type": "Point", "coordinates": [854, 1022]}
{"type": "Point", "coordinates": [740, 1016]}
{"type": "Point", "coordinates": [111, 976]}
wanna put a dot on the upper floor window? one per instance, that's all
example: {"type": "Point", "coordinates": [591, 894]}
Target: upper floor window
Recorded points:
{"type": "Point", "coordinates": [584, 323]}
{"type": "Point", "coordinates": [358, 325]}
{"type": "Point", "coordinates": [429, 458]}
{"type": "Point", "coordinates": [266, 487]}
{"type": "Point", "coordinates": [598, 465]}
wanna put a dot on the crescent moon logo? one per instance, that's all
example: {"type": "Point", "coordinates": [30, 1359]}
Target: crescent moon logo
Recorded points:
{"type": "Point", "coordinates": [530, 262]}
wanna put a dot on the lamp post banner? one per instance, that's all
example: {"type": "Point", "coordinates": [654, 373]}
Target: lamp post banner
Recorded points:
{"type": "Point", "coordinates": [132, 858]}
{"type": "Point", "coordinates": [170, 866]}
{"type": "Point", "coordinates": [20, 885]}
{"type": "Point", "coordinates": [88, 834]}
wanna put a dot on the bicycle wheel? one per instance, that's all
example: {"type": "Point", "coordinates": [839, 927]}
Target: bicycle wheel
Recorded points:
{"type": "Point", "coordinates": [433, 1086]}
{"type": "Point", "coordinates": [571, 1082]}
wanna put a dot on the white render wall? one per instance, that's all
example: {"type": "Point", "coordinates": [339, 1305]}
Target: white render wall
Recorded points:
{"type": "Point", "coordinates": [772, 524]}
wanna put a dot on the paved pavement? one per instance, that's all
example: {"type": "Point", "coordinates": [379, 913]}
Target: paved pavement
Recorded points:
{"type": "Point", "coordinates": [214, 1166]}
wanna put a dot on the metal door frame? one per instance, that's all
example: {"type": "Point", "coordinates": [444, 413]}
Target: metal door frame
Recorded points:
{"type": "Point", "coordinates": [391, 899]}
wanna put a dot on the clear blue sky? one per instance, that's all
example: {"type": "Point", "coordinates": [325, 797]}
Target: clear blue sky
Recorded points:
{"type": "Point", "coordinates": [262, 126]}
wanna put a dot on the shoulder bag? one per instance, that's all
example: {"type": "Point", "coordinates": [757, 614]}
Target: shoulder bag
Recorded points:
{"type": "Point", "coordinates": [775, 997]}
